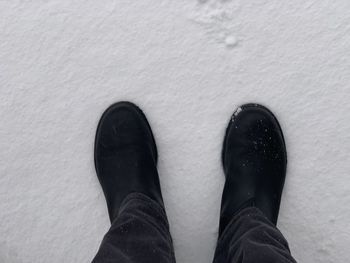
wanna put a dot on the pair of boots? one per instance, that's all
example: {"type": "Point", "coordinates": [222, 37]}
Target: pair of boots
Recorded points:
{"type": "Point", "coordinates": [253, 157]}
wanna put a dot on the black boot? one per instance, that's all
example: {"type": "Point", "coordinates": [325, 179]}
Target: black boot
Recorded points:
{"type": "Point", "coordinates": [254, 160]}
{"type": "Point", "coordinates": [126, 156]}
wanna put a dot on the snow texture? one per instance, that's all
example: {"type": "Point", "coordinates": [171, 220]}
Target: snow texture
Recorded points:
{"type": "Point", "coordinates": [188, 64]}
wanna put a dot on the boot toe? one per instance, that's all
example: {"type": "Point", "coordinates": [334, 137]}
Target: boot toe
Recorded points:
{"type": "Point", "coordinates": [254, 130]}
{"type": "Point", "coordinates": [123, 123]}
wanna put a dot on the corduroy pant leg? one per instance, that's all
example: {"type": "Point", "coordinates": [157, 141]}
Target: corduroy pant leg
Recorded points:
{"type": "Point", "coordinates": [251, 238]}
{"type": "Point", "coordinates": [139, 234]}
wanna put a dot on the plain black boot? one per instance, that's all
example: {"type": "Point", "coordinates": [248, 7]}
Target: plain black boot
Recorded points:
{"type": "Point", "coordinates": [126, 156]}
{"type": "Point", "coordinates": [254, 160]}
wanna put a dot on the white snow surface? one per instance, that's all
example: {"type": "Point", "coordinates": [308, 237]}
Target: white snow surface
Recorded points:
{"type": "Point", "coordinates": [188, 64]}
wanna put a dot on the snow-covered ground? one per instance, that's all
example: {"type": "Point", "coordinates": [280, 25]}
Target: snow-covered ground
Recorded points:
{"type": "Point", "coordinates": [188, 64]}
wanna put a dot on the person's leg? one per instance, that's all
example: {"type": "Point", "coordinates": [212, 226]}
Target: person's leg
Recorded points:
{"type": "Point", "coordinates": [251, 237]}
{"type": "Point", "coordinates": [125, 161]}
{"type": "Point", "coordinates": [254, 160]}
{"type": "Point", "coordinates": [140, 233]}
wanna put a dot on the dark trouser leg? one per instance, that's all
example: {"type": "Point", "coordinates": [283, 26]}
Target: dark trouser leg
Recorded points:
{"type": "Point", "coordinates": [139, 234]}
{"type": "Point", "coordinates": [251, 238]}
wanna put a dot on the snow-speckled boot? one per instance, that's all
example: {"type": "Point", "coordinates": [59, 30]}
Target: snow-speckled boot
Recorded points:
{"type": "Point", "coordinates": [254, 160]}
